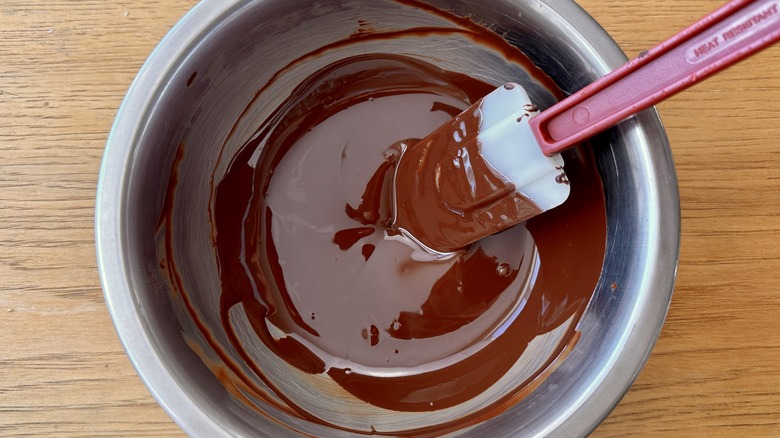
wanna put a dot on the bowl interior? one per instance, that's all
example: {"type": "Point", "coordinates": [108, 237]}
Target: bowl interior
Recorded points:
{"type": "Point", "coordinates": [200, 81]}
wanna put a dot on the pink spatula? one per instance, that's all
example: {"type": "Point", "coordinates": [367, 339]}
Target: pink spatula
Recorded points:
{"type": "Point", "coordinates": [497, 164]}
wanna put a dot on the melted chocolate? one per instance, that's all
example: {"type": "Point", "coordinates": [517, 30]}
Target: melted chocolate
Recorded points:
{"type": "Point", "coordinates": [446, 194]}
{"type": "Point", "coordinates": [303, 247]}
{"type": "Point", "coordinates": [301, 176]}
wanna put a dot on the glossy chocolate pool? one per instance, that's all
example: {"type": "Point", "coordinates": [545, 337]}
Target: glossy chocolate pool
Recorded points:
{"type": "Point", "coordinates": [301, 226]}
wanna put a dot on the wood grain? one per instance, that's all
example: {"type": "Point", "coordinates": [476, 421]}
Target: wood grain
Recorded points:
{"type": "Point", "coordinates": [65, 67]}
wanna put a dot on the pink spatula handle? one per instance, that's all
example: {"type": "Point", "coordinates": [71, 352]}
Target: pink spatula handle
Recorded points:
{"type": "Point", "coordinates": [722, 38]}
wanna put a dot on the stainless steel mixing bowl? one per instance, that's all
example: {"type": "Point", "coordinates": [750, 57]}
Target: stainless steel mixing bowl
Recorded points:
{"type": "Point", "coordinates": [200, 79]}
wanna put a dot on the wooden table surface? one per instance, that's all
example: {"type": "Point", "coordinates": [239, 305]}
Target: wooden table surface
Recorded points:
{"type": "Point", "coordinates": [64, 68]}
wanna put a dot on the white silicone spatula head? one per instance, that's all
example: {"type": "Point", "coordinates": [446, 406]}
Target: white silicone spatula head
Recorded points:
{"type": "Point", "coordinates": [469, 178]}
{"type": "Point", "coordinates": [516, 148]}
